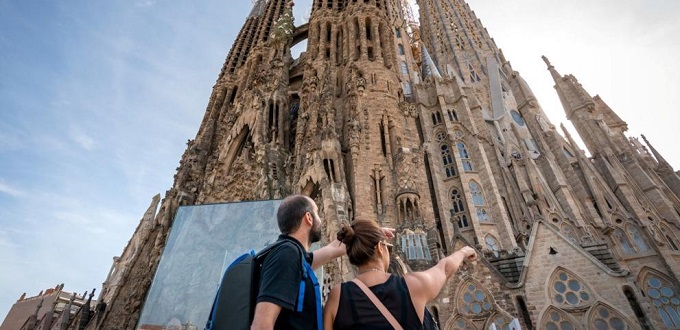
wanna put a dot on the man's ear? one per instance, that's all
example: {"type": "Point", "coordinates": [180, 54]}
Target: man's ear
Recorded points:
{"type": "Point", "coordinates": [309, 218]}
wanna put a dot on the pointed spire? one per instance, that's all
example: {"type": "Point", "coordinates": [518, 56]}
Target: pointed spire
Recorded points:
{"type": "Point", "coordinates": [556, 75]}
{"type": "Point", "coordinates": [86, 314]}
{"type": "Point", "coordinates": [428, 66]}
{"type": "Point", "coordinates": [258, 8]}
{"type": "Point", "coordinates": [663, 164]}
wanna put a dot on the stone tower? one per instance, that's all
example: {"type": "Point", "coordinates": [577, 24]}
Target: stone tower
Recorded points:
{"type": "Point", "coordinates": [428, 129]}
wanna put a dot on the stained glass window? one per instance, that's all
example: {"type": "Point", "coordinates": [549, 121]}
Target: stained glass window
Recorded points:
{"type": "Point", "coordinates": [555, 319]}
{"type": "Point", "coordinates": [640, 241]}
{"type": "Point", "coordinates": [474, 300]}
{"type": "Point", "coordinates": [624, 244]}
{"type": "Point", "coordinates": [567, 290]}
{"type": "Point", "coordinates": [492, 244]}
{"type": "Point", "coordinates": [464, 157]}
{"type": "Point", "coordinates": [414, 245]}
{"type": "Point", "coordinates": [604, 318]}
{"type": "Point", "coordinates": [665, 299]}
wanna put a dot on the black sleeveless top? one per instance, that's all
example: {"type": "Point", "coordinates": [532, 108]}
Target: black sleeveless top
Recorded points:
{"type": "Point", "coordinates": [356, 311]}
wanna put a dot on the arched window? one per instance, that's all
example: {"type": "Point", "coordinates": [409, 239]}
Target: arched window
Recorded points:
{"type": "Point", "coordinates": [665, 299]}
{"type": "Point", "coordinates": [436, 118]}
{"type": "Point", "coordinates": [464, 157]}
{"type": "Point", "coordinates": [400, 47]}
{"type": "Point", "coordinates": [492, 245]}
{"type": "Point", "coordinates": [447, 160]}
{"type": "Point", "coordinates": [473, 299]}
{"type": "Point", "coordinates": [404, 68]}
{"type": "Point", "coordinates": [556, 319]}
{"type": "Point", "coordinates": [624, 244]}
{"type": "Point", "coordinates": [463, 324]}
{"type": "Point", "coordinates": [452, 115]}
{"type": "Point", "coordinates": [605, 317]}
{"type": "Point", "coordinates": [457, 201]}
{"type": "Point", "coordinates": [670, 237]}
{"type": "Point", "coordinates": [478, 201]}
{"type": "Point", "coordinates": [567, 290]}
{"type": "Point", "coordinates": [414, 245]}
{"type": "Point", "coordinates": [635, 234]}
{"type": "Point", "coordinates": [476, 193]}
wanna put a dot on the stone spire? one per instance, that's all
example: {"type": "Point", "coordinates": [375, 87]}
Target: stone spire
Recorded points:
{"type": "Point", "coordinates": [662, 163]}
{"type": "Point", "coordinates": [429, 68]}
{"type": "Point", "coordinates": [86, 312]}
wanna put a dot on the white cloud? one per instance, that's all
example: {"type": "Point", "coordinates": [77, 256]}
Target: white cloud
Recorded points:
{"type": "Point", "coordinates": [9, 190]}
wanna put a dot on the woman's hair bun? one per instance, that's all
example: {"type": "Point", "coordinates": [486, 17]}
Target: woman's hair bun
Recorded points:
{"type": "Point", "coordinates": [346, 234]}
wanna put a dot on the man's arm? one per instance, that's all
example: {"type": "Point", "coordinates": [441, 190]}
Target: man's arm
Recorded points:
{"type": "Point", "coordinates": [265, 316]}
{"type": "Point", "coordinates": [327, 253]}
{"type": "Point", "coordinates": [336, 249]}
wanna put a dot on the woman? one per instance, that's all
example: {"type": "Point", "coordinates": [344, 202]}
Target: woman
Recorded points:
{"type": "Point", "coordinates": [404, 298]}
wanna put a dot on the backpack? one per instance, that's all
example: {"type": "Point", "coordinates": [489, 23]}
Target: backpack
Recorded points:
{"type": "Point", "coordinates": [234, 304]}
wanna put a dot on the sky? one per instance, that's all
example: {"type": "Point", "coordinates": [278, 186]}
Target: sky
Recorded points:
{"type": "Point", "coordinates": [98, 100]}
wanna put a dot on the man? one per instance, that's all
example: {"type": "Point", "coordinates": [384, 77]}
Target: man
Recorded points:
{"type": "Point", "coordinates": [300, 225]}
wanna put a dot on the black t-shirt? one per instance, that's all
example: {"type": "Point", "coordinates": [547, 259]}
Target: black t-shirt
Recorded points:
{"type": "Point", "coordinates": [357, 311]}
{"type": "Point", "coordinates": [280, 283]}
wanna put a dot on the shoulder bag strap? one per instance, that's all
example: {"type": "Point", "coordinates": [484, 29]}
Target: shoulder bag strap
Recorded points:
{"type": "Point", "coordinates": [378, 304]}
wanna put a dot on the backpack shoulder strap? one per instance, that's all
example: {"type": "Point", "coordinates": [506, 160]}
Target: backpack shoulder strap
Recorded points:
{"type": "Point", "coordinates": [378, 304]}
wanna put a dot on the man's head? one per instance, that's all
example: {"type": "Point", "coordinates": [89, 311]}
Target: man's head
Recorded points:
{"type": "Point", "coordinates": [293, 211]}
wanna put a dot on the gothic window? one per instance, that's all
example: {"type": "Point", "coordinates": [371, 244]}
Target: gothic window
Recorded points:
{"type": "Point", "coordinates": [665, 299]}
{"type": "Point", "coordinates": [492, 245]}
{"type": "Point", "coordinates": [457, 134]}
{"type": "Point", "coordinates": [517, 118]}
{"type": "Point", "coordinates": [400, 47]}
{"type": "Point", "coordinates": [640, 241]}
{"type": "Point", "coordinates": [567, 153]}
{"type": "Point", "coordinates": [404, 68]}
{"type": "Point", "coordinates": [436, 118]}
{"type": "Point", "coordinates": [462, 221]}
{"type": "Point", "coordinates": [670, 237]}
{"type": "Point", "coordinates": [603, 317]}
{"type": "Point", "coordinates": [397, 32]}
{"type": "Point", "coordinates": [624, 244]}
{"type": "Point", "coordinates": [458, 205]}
{"type": "Point", "coordinates": [452, 115]}
{"type": "Point", "coordinates": [414, 245]}
{"type": "Point", "coordinates": [482, 215]}
{"type": "Point", "coordinates": [476, 193]}
{"type": "Point", "coordinates": [463, 324]}
{"type": "Point", "coordinates": [464, 157]}
{"type": "Point", "coordinates": [447, 160]}
{"type": "Point", "coordinates": [478, 201]}
{"type": "Point", "coordinates": [440, 137]}
{"type": "Point", "coordinates": [474, 300]}
{"type": "Point", "coordinates": [556, 319]}
{"type": "Point", "coordinates": [500, 321]}
{"type": "Point", "coordinates": [567, 290]}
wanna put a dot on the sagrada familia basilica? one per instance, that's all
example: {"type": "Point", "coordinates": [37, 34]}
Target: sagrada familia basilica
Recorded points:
{"type": "Point", "coordinates": [427, 128]}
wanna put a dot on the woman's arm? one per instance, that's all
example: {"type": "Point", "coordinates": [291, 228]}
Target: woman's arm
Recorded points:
{"type": "Point", "coordinates": [425, 286]}
{"type": "Point", "coordinates": [331, 308]}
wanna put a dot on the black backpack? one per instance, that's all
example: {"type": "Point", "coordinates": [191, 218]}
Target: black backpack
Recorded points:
{"type": "Point", "coordinates": [234, 304]}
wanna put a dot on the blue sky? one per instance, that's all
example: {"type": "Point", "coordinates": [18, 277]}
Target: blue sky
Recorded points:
{"type": "Point", "coordinates": [98, 98]}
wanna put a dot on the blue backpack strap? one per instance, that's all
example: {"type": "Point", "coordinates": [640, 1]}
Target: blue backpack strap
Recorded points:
{"type": "Point", "coordinates": [308, 272]}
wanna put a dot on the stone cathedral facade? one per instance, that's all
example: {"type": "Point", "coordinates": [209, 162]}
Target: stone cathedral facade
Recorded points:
{"type": "Point", "coordinates": [428, 129]}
